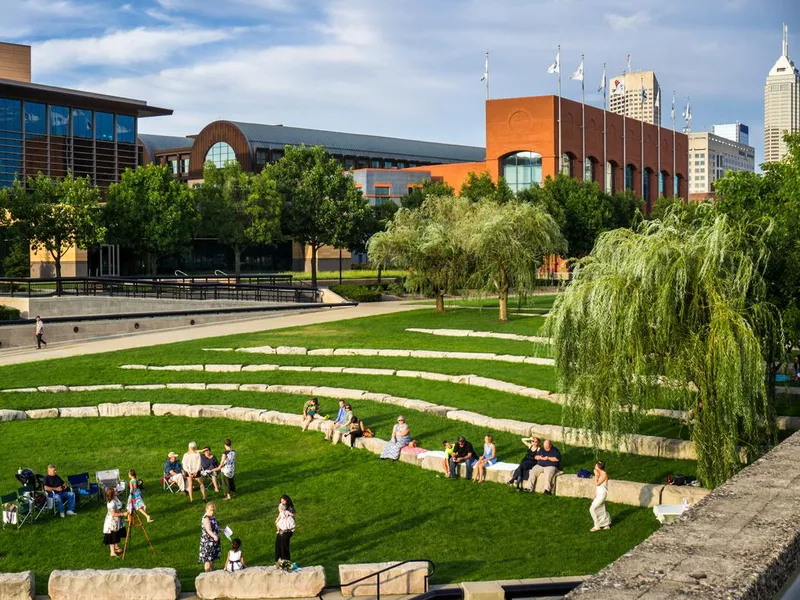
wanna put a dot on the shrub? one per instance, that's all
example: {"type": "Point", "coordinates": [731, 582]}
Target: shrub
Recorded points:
{"type": "Point", "coordinates": [9, 314]}
{"type": "Point", "coordinates": [357, 293]}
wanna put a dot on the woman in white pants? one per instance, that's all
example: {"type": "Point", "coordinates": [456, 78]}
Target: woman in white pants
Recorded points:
{"type": "Point", "coordinates": [600, 515]}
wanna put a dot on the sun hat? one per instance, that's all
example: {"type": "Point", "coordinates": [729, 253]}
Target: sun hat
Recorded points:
{"type": "Point", "coordinates": [172, 455]}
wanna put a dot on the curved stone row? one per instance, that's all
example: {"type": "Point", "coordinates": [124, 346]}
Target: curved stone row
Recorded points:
{"type": "Point", "coordinates": [623, 492]}
{"type": "Point", "coordinates": [515, 337]}
{"type": "Point", "coordinates": [401, 353]}
{"type": "Point", "coordinates": [644, 445]}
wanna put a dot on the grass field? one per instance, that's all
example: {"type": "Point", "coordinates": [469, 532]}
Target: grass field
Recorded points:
{"type": "Point", "coordinates": [538, 302]}
{"type": "Point", "coordinates": [351, 506]}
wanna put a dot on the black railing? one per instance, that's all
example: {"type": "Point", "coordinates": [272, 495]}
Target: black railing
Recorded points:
{"type": "Point", "coordinates": [377, 574]}
{"type": "Point", "coordinates": [179, 289]}
{"type": "Point", "coordinates": [550, 589]}
{"type": "Point", "coordinates": [221, 277]}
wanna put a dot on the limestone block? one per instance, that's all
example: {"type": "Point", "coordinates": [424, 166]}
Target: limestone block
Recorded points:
{"type": "Point", "coordinates": [678, 449]}
{"type": "Point", "coordinates": [217, 349]}
{"type": "Point", "coordinates": [674, 494]}
{"type": "Point", "coordinates": [23, 390]}
{"type": "Point", "coordinates": [409, 458]}
{"type": "Point", "coordinates": [432, 462]}
{"type": "Point", "coordinates": [500, 472]}
{"type": "Point", "coordinates": [537, 360]}
{"type": "Point", "coordinates": [256, 583]}
{"type": "Point", "coordinates": [472, 355]}
{"type": "Point", "coordinates": [412, 374]}
{"type": "Point", "coordinates": [223, 387]}
{"type": "Point", "coordinates": [237, 413]}
{"type": "Point", "coordinates": [291, 350]}
{"type": "Point", "coordinates": [294, 368]}
{"type": "Point", "coordinates": [258, 350]}
{"type": "Point", "coordinates": [532, 392]}
{"type": "Point", "coordinates": [95, 388]}
{"type": "Point", "coordinates": [572, 486]}
{"type": "Point", "coordinates": [265, 367]}
{"type": "Point", "coordinates": [520, 428]}
{"type": "Point", "coordinates": [374, 445]}
{"type": "Point", "coordinates": [124, 409]}
{"type": "Point", "coordinates": [427, 354]}
{"type": "Point", "coordinates": [513, 358]}
{"type": "Point", "coordinates": [321, 352]}
{"type": "Point", "coordinates": [146, 386]}
{"type": "Point", "coordinates": [788, 423]}
{"type": "Point", "coordinates": [406, 579]}
{"type": "Point", "coordinates": [279, 418]}
{"type": "Point", "coordinates": [253, 387]}
{"type": "Point", "coordinates": [17, 586]}
{"type": "Point", "coordinates": [327, 369]}
{"type": "Point", "coordinates": [134, 367]}
{"type": "Point", "coordinates": [556, 398]}
{"type": "Point", "coordinates": [214, 412]}
{"type": "Point", "coordinates": [364, 371]}
{"type": "Point", "coordinates": [452, 332]}
{"type": "Point", "coordinates": [42, 413]}
{"type": "Point", "coordinates": [482, 590]}
{"type": "Point", "coordinates": [554, 433]}
{"type": "Point", "coordinates": [177, 368]}
{"type": "Point", "coordinates": [163, 410]}
{"type": "Point", "coordinates": [503, 386]}
{"type": "Point", "coordinates": [375, 396]}
{"type": "Point", "coordinates": [395, 353]}
{"type": "Point", "coordinates": [12, 415]}
{"type": "Point", "coordinates": [643, 445]}
{"type": "Point", "coordinates": [53, 389]}
{"type": "Point", "coordinates": [633, 493]}
{"type": "Point", "coordinates": [420, 330]}
{"type": "Point", "coordinates": [437, 409]}
{"type": "Point", "coordinates": [78, 412]}
{"type": "Point", "coordinates": [223, 368]}
{"type": "Point", "coordinates": [466, 416]}
{"type": "Point", "coordinates": [116, 584]}
{"type": "Point", "coordinates": [427, 375]}
{"type": "Point", "coordinates": [305, 390]}
{"type": "Point", "coordinates": [186, 386]}
{"type": "Point", "coordinates": [331, 392]}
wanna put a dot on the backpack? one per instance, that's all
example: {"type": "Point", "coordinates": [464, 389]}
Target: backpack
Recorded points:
{"type": "Point", "coordinates": [678, 480]}
{"type": "Point", "coordinates": [584, 474]}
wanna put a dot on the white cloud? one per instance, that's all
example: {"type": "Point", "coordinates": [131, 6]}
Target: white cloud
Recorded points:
{"type": "Point", "coordinates": [626, 23]}
{"type": "Point", "coordinates": [23, 17]}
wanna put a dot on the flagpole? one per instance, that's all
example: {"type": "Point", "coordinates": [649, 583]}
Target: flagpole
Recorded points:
{"type": "Point", "coordinates": [658, 105]}
{"type": "Point", "coordinates": [487, 75]}
{"type": "Point", "coordinates": [625, 137]}
{"type": "Point", "coordinates": [560, 155]}
{"type": "Point", "coordinates": [605, 112]}
{"type": "Point", "coordinates": [642, 136]}
{"type": "Point", "coordinates": [674, 154]}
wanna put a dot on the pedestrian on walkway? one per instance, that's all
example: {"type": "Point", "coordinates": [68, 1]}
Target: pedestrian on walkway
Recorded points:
{"type": "Point", "coordinates": [39, 332]}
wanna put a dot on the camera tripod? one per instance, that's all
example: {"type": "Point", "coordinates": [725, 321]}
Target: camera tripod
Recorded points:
{"type": "Point", "coordinates": [131, 525]}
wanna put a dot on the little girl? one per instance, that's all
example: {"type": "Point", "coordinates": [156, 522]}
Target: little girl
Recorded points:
{"type": "Point", "coordinates": [448, 451]}
{"type": "Point", "coordinates": [235, 560]}
{"type": "Point", "coordinates": [135, 500]}
{"type": "Point", "coordinates": [487, 459]}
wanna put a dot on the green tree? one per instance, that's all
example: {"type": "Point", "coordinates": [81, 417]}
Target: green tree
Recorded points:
{"type": "Point", "coordinates": [507, 243]}
{"type": "Point", "coordinates": [376, 221]}
{"type": "Point", "coordinates": [56, 215]}
{"type": "Point", "coordinates": [429, 188]}
{"type": "Point", "coordinates": [670, 314]}
{"type": "Point", "coordinates": [151, 212]}
{"type": "Point", "coordinates": [426, 241]}
{"type": "Point", "coordinates": [240, 209]}
{"type": "Point", "coordinates": [479, 187]}
{"type": "Point", "coordinates": [323, 205]}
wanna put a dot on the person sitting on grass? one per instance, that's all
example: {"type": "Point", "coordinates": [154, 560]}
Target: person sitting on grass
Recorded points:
{"type": "Point", "coordinates": [448, 452]}
{"type": "Point", "coordinates": [522, 472]}
{"type": "Point", "coordinates": [173, 471]}
{"type": "Point", "coordinates": [548, 461]}
{"type": "Point", "coordinates": [59, 490]}
{"type": "Point", "coordinates": [462, 453]}
{"type": "Point", "coordinates": [191, 469]}
{"type": "Point", "coordinates": [487, 459]}
{"type": "Point", "coordinates": [310, 411]}
{"type": "Point", "coordinates": [330, 427]}
{"type": "Point", "coordinates": [235, 560]}
{"type": "Point", "coordinates": [135, 500]}
{"type": "Point", "coordinates": [401, 436]}
{"type": "Point", "coordinates": [344, 428]}
{"type": "Point", "coordinates": [209, 466]}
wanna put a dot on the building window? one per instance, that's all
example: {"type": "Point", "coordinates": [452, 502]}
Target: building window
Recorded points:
{"type": "Point", "coordinates": [388, 164]}
{"type": "Point", "coordinates": [173, 166]}
{"type": "Point", "coordinates": [262, 156]}
{"type": "Point", "coordinates": [629, 177]}
{"type": "Point", "coordinates": [383, 191]}
{"type": "Point", "coordinates": [35, 119]}
{"type": "Point", "coordinates": [59, 120]}
{"type": "Point", "coordinates": [10, 141]}
{"type": "Point", "coordinates": [521, 170]}
{"type": "Point", "coordinates": [126, 129]}
{"type": "Point", "coordinates": [401, 164]}
{"type": "Point", "coordinates": [376, 163]}
{"type": "Point", "coordinates": [220, 154]}
{"type": "Point", "coordinates": [588, 170]}
{"type": "Point", "coordinates": [349, 164]}
{"type": "Point", "coordinates": [184, 165]}
{"type": "Point", "coordinates": [104, 127]}
{"type": "Point", "coordinates": [82, 126]}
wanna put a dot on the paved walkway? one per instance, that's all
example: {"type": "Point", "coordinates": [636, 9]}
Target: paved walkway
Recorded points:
{"type": "Point", "coordinates": [14, 356]}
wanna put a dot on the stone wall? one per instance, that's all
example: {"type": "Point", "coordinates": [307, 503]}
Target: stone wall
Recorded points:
{"type": "Point", "coordinates": [115, 584]}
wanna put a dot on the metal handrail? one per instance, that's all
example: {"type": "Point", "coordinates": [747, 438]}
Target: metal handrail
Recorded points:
{"type": "Point", "coordinates": [376, 574]}
{"type": "Point", "coordinates": [220, 273]}
{"type": "Point", "coordinates": [180, 273]}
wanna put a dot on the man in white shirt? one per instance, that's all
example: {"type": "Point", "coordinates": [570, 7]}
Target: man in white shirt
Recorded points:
{"type": "Point", "coordinates": [39, 332]}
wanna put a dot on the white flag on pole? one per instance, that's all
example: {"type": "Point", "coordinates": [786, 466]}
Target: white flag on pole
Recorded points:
{"type": "Point", "coordinates": [658, 99]}
{"type": "Point", "coordinates": [602, 87]}
{"type": "Point", "coordinates": [644, 94]}
{"type": "Point", "coordinates": [578, 74]}
{"type": "Point", "coordinates": [556, 66]}
{"type": "Point", "coordinates": [673, 106]}
{"type": "Point", "coordinates": [486, 68]}
{"type": "Point", "coordinates": [629, 63]}
{"type": "Point", "coordinates": [618, 87]}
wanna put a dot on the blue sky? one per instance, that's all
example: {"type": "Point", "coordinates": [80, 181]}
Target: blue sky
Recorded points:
{"type": "Point", "coordinates": [408, 68]}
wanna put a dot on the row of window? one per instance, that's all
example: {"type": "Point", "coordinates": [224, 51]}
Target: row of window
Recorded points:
{"type": "Point", "coordinates": [348, 163]}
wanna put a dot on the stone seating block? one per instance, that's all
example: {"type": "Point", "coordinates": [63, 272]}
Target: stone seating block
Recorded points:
{"type": "Point", "coordinates": [42, 413]}
{"type": "Point", "coordinates": [53, 389]}
{"type": "Point", "coordinates": [115, 584]}
{"type": "Point", "coordinates": [95, 388]}
{"type": "Point", "coordinates": [634, 493]}
{"type": "Point", "coordinates": [471, 355]}
{"type": "Point", "coordinates": [134, 367]}
{"type": "Point", "coordinates": [394, 353]}
{"type": "Point", "coordinates": [533, 393]}
{"type": "Point", "coordinates": [186, 386]}
{"type": "Point", "coordinates": [328, 369]}
{"type": "Point", "coordinates": [305, 390]}
{"type": "Point", "coordinates": [500, 472]}
{"type": "Point", "coordinates": [257, 350]}
{"type": "Point", "coordinates": [124, 409]}
{"type": "Point", "coordinates": [510, 358]}
{"type": "Point", "coordinates": [511, 426]}
{"type": "Point", "coordinates": [223, 368]}
{"type": "Point", "coordinates": [340, 393]}
{"type": "Point", "coordinates": [253, 387]}
{"type": "Point", "coordinates": [374, 445]}
{"type": "Point", "coordinates": [536, 360]}
{"type": "Point", "coordinates": [78, 412]}
{"type": "Point", "coordinates": [214, 412]}
{"type": "Point", "coordinates": [674, 494]}
{"type": "Point", "coordinates": [678, 449]}
{"type": "Point", "coordinates": [146, 386]}
{"type": "Point", "coordinates": [12, 415]}
{"type": "Point", "coordinates": [375, 397]}
{"type": "Point", "coordinates": [223, 387]}
{"type": "Point", "coordinates": [17, 586]}
{"type": "Point", "coordinates": [405, 579]}
{"type": "Point", "coordinates": [280, 418]}
{"type": "Point", "coordinates": [473, 418]}
{"type": "Point", "coordinates": [289, 350]}
{"type": "Point", "coordinates": [237, 413]}
{"type": "Point", "coordinates": [432, 461]}
{"type": "Point", "coordinates": [258, 583]}
{"type": "Point", "coordinates": [482, 590]}
{"type": "Point", "coordinates": [572, 486]}
{"type": "Point", "coordinates": [256, 368]}
{"type": "Point", "coordinates": [321, 352]}
{"type": "Point", "coordinates": [365, 371]}
{"type": "Point", "coordinates": [295, 368]}
{"type": "Point", "coordinates": [643, 445]}
{"type": "Point", "coordinates": [177, 368]}
{"type": "Point", "coordinates": [20, 390]}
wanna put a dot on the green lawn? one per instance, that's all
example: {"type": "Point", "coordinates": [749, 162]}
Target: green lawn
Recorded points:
{"type": "Point", "coordinates": [351, 506]}
{"type": "Point", "coordinates": [539, 301]}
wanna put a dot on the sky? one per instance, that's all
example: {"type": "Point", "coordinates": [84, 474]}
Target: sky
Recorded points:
{"type": "Point", "coordinates": [402, 68]}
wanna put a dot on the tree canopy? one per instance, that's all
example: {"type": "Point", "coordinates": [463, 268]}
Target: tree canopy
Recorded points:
{"type": "Point", "coordinates": [482, 187]}
{"type": "Point", "coordinates": [428, 188]}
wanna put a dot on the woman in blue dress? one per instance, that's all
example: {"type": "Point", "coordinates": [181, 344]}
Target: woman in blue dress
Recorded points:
{"type": "Point", "coordinates": [401, 437]}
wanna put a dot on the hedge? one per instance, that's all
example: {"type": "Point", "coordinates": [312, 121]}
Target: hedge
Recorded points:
{"type": "Point", "coordinates": [9, 314]}
{"type": "Point", "coordinates": [357, 293]}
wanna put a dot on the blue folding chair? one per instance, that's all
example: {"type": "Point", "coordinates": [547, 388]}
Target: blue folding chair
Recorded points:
{"type": "Point", "coordinates": [84, 490]}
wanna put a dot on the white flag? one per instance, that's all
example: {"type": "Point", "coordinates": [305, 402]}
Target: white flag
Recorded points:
{"type": "Point", "coordinates": [556, 66]}
{"type": "Point", "coordinates": [602, 87]}
{"type": "Point", "coordinates": [486, 69]}
{"type": "Point", "coordinates": [629, 63]}
{"type": "Point", "coordinates": [673, 107]}
{"type": "Point", "coordinates": [658, 98]}
{"type": "Point", "coordinates": [578, 74]}
{"type": "Point", "coordinates": [618, 87]}
{"type": "Point", "coordinates": [644, 94]}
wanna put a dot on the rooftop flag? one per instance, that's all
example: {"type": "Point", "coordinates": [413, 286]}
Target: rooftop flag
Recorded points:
{"type": "Point", "coordinates": [556, 66]}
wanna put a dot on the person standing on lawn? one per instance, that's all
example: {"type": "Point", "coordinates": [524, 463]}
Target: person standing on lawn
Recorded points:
{"type": "Point", "coordinates": [114, 526]}
{"type": "Point", "coordinates": [39, 333]}
{"type": "Point", "coordinates": [285, 525]}
{"type": "Point", "coordinates": [227, 469]}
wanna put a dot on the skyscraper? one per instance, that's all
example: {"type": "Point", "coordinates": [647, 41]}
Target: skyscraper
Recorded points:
{"type": "Point", "coordinates": [630, 102]}
{"type": "Point", "coordinates": [781, 104]}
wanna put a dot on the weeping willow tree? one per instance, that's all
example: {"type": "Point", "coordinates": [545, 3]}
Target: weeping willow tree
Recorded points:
{"type": "Point", "coordinates": [425, 240]}
{"type": "Point", "coordinates": [671, 314]}
{"type": "Point", "coordinates": [507, 243]}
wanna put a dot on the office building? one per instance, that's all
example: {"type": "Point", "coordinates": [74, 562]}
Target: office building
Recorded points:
{"type": "Point", "coordinates": [735, 132]}
{"type": "Point", "coordinates": [630, 102]}
{"type": "Point", "coordinates": [781, 103]}
{"type": "Point", "coordinates": [710, 157]}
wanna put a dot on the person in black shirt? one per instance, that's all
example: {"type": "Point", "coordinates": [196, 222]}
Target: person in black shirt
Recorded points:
{"type": "Point", "coordinates": [528, 462]}
{"type": "Point", "coordinates": [208, 467]}
{"type": "Point", "coordinates": [548, 461]}
{"type": "Point", "coordinates": [462, 453]}
{"type": "Point", "coordinates": [59, 490]}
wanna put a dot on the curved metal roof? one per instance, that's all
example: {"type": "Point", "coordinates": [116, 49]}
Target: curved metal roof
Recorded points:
{"type": "Point", "coordinates": [354, 144]}
{"type": "Point", "coordinates": [161, 143]}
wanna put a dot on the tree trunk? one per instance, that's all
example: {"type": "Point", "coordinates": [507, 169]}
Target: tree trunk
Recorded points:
{"type": "Point", "coordinates": [153, 264]}
{"type": "Point", "coordinates": [340, 266]}
{"type": "Point", "coordinates": [439, 303]}
{"type": "Point", "coordinates": [237, 261]}
{"type": "Point", "coordinates": [380, 272]}
{"type": "Point", "coordinates": [57, 260]}
{"type": "Point", "coordinates": [313, 265]}
{"type": "Point", "coordinates": [504, 305]}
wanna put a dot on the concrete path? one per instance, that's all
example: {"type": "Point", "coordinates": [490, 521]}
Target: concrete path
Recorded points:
{"type": "Point", "coordinates": [14, 356]}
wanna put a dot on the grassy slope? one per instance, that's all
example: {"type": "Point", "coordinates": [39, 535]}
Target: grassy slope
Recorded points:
{"type": "Point", "coordinates": [351, 506]}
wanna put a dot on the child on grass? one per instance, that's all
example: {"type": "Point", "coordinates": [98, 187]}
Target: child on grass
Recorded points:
{"type": "Point", "coordinates": [135, 500]}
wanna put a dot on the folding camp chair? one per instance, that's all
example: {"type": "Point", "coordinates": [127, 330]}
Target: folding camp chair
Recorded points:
{"type": "Point", "coordinates": [168, 484]}
{"type": "Point", "coordinates": [31, 503]}
{"type": "Point", "coordinates": [8, 509]}
{"type": "Point", "coordinates": [109, 479]}
{"type": "Point", "coordinates": [85, 491]}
